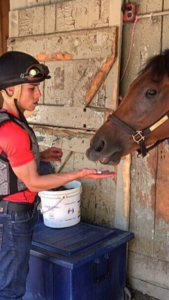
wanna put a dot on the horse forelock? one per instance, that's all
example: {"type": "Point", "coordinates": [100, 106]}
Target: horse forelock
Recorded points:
{"type": "Point", "coordinates": [158, 67]}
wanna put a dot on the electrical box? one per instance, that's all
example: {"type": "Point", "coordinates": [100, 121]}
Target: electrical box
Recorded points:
{"type": "Point", "coordinates": [130, 12]}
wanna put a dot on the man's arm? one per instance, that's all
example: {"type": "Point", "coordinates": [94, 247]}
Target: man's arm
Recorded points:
{"type": "Point", "coordinates": [36, 183]}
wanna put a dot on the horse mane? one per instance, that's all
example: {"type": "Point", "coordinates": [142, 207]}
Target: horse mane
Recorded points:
{"type": "Point", "coordinates": [158, 66]}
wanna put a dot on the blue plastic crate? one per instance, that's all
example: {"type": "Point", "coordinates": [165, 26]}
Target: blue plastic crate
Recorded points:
{"type": "Point", "coordinates": [82, 262]}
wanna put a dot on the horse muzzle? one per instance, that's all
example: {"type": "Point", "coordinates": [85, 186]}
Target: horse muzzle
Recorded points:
{"type": "Point", "coordinates": [112, 159]}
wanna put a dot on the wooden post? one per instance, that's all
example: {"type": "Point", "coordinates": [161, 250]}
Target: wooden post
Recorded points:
{"type": "Point", "coordinates": [4, 25]}
{"type": "Point", "coordinates": [4, 30]}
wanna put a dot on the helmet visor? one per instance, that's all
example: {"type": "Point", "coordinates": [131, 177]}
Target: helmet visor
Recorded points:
{"type": "Point", "coordinates": [36, 72]}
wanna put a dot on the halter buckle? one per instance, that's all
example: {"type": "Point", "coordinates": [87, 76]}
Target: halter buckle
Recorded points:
{"type": "Point", "coordinates": [138, 137]}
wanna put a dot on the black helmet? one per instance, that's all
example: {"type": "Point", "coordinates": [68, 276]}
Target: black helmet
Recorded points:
{"type": "Point", "coordinates": [18, 68]}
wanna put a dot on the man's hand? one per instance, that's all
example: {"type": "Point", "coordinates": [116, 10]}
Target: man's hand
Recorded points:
{"type": "Point", "coordinates": [51, 154]}
{"type": "Point", "coordinates": [92, 174]}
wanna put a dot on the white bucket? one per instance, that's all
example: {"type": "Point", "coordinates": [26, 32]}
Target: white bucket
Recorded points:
{"type": "Point", "coordinates": [61, 208]}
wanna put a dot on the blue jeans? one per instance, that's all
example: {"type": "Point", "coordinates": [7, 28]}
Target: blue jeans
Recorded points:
{"type": "Point", "coordinates": [16, 229]}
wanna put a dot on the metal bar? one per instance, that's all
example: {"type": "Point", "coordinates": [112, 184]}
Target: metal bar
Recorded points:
{"type": "Point", "coordinates": [151, 15]}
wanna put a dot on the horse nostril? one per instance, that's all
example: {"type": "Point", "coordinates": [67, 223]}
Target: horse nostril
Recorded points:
{"type": "Point", "coordinates": [100, 147]}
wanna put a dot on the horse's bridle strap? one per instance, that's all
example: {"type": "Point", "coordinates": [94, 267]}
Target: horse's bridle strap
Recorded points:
{"type": "Point", "coordinates": [121, 124]}
{"type": "Point", "coordinates": [139, 135]}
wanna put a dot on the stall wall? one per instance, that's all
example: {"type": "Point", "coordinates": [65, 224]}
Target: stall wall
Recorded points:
{"type": "Point", "coordinates": [149, 211]}
{"type": "Point", "coordinates": [80, 42]}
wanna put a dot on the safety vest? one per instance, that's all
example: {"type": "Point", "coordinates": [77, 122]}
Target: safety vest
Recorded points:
{"type": "Point", "coordinates": [9, 182]}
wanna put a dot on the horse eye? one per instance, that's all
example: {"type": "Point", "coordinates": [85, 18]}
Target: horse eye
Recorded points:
{"type": "Point", "coordinates": [151, 93]}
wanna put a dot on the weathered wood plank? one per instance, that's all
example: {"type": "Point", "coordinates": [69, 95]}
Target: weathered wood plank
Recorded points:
{"type": "Point", "coordinates": [75, 117]}
{"type": "Point", "coordinates": [149, 270]}
{"type": "Point", "coordinates": [66, 139]}
{"type": "Point", "coordinates": [72, 79]}
{"type": "Point", "coordinates": [113, 78]}
{"type": "Point", "coordinates": [149, 6]}
{"type": "Point", "coordinates": [50, 18]}
{"type": "Point", "coordinates": [93, 13]}
{"type": "Point", "coordinates": [99, 78]}
{"type": "Point", "coordinates": [65, 15]}
{"type": "Point", "coordinates": [18, 4]}
{"type": "Point", "coordinates": [38, 2]}
{"type": "Point", "coordinates": [143, 192]}
{"type": "Point", "coordinates": [157, 292]}
{"type": "Point", "coordinates": [13, 23]}
{"type": "Point", "coordinates": [161, 241]}
{"type": "Point", "coordinates": [77, 45]}
{"type": "Point", "coordinates": [70, 82]}
{"type": "Point", "coordinates": [165, 27]}
{"type": "Point", "coordinates": [30, 22]}
{"type": "Point", "coordinates": [98, 197]}
{"type": "Point", "coordinates": [146, 32]}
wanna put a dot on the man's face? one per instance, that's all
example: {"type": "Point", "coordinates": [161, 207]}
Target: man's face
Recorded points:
{"type": "Point", "coordinates": [29, 97]}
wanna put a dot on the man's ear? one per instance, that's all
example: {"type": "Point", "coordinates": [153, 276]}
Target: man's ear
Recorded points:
{"type": "Point", "coordinates": [10, 91]}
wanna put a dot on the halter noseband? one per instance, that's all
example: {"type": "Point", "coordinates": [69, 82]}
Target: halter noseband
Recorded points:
{"type": "Point", "coordinates": [139, 135]}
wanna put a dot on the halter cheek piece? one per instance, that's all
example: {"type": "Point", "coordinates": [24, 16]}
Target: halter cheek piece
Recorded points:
{"type": "Point", "coordinates": [139, 135]}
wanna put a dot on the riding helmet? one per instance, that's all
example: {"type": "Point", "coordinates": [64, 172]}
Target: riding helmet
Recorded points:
{"type": "Point", "coordinates": [19, 68]}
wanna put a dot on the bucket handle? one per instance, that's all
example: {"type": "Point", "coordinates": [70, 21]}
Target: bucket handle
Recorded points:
{"type": "Point", "coordinates": [62, 197]}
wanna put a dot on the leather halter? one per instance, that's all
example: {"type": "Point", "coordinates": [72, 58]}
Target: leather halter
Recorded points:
{"type": "Point", "coordinates": [139, 135]}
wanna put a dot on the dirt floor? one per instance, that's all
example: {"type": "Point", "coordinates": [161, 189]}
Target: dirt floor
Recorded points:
{"type": "Point", "coordinates": [139, 296]}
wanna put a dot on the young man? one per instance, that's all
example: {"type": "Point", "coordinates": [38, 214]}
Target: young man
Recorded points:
{"type": "Point", "coordinates": [20, 76]}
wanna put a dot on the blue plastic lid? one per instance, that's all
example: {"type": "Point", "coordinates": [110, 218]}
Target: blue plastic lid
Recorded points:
{"type": "Point", "coordinates": [68, 241]}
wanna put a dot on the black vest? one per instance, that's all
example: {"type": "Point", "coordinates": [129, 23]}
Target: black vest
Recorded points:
{"type": "Point", "coordinates": [9, 182]}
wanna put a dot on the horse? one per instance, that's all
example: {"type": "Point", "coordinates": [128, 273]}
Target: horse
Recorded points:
{"type": "Point", "coordinates": [141, 121]}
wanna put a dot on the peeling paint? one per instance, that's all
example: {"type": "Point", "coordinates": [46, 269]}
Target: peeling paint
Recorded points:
{"type": "Point", "coordinates": [102, 72]}
{"type": "Point", "coordinates": [54, 56]}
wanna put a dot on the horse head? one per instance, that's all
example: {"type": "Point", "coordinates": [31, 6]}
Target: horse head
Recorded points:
{"type": "Point", "coordinates": [141, 120]}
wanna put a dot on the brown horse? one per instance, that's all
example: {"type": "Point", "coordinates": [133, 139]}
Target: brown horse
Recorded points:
{"type": "Point", "coordinates": [141, 120]}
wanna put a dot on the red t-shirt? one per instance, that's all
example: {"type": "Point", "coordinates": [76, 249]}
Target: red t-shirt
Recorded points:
{"type": "Point", "coordinates": [15, 142]}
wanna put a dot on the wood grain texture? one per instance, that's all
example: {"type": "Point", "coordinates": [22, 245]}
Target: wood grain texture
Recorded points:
{"type": "Point", "coordinates": [4, 25]}
{"type": "Point", "coordinates": [59, 16]}
{"type": "Point", "coordinates": [70, 14]}
{"type": "Point", "coordinates": [70, 117]}
{"type": "Point", "coordinates": [102, 73]}
{"type": "Point", "coordinates": [151, 272]}
{"type": "Point", "coordinates": [96, 43]}
{"type": "Point", "coordinates": [77, 66]}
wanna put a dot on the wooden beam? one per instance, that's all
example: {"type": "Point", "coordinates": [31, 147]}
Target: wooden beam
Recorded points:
{"type": "Point", "coordinates": [4, 27]}
{"type": "Point", "coordinates": [1, 45]}
{"type": "Point", "coordinates": [69, 117]}
{"type": "Point", "coordinates": [102, 73]}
